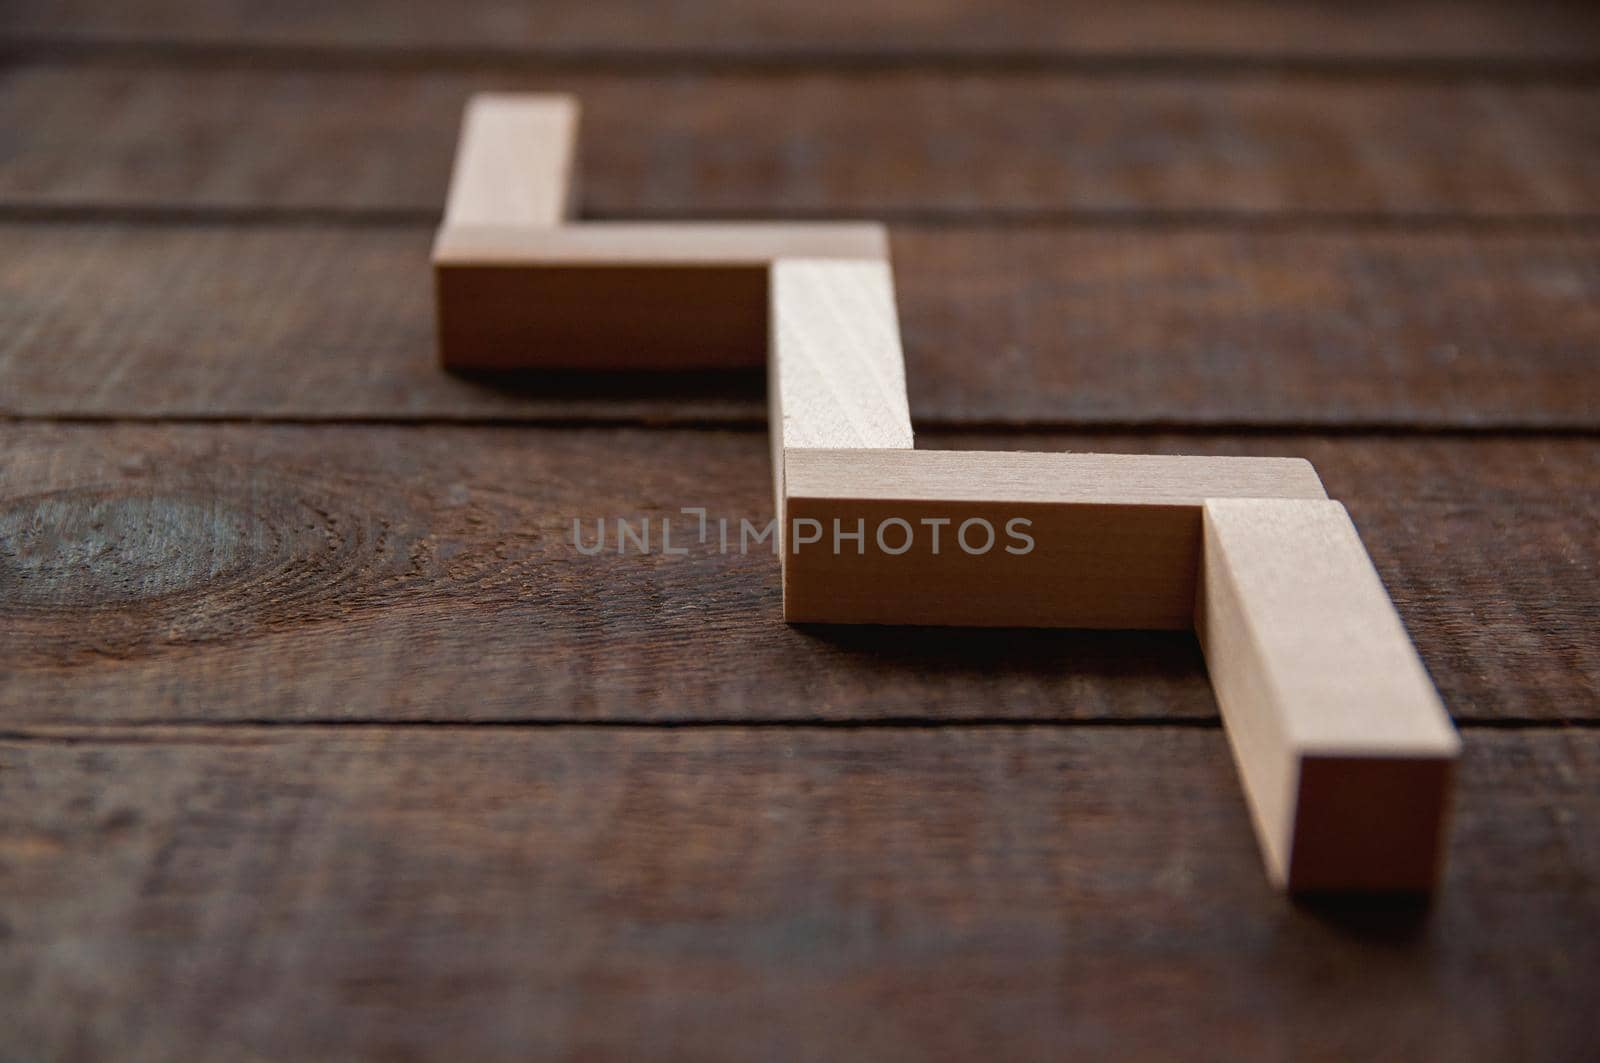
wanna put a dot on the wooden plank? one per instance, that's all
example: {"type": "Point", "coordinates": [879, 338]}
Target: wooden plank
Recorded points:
{"type": "Point", "coordinates": [621, 296]}
{"type": "Point", "coordinates": [515, 161]}
{"type": "Point", "coordinates": [1346, 753]}
{"type": "Point", "coordinates": [1417, 30]}
{"type": "Point", "coordinates": [1026, 893]}
{"type": "Point", "coordinates": [381, 573]}
{"type": "Point", "coordinates": [865, 143]}
{"type": "Point", "coordinates": [1004, 538]}
{"type": "Point", "coordinates": [1190, 326]}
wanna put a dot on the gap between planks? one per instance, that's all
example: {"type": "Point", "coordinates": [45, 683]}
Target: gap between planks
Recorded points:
{"type": "Point", "coordinates": [1220, 65]}
{"type": "Point", "coordinates": [399, 217]}
{"type": "Point", "coordinates": [756, 422]}
{"type": "Point", "coordinates": [181, 727]}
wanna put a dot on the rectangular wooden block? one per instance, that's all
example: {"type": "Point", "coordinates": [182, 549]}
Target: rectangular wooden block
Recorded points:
{"type": "Point", "coordinates": [621, 295]}
{"type": "Point", "coordinates": [515, 161]}
{"type": "Point", "coordinates": [836, 375]}
{"type": "Point", "coordinates": [1344, 748]}
{"type": "Point", "coordinates": [1008, 539]}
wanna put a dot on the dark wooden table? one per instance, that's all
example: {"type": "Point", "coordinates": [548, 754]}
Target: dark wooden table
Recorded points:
{"type": "Point", "coordinates": [319, 741]}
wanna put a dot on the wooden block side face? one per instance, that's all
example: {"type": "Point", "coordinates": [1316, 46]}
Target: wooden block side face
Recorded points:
{"type": "Point", "coordinates": [618, 317]}
{"type": "Point", "coordinates": [1370, 823]}
{"type": "Point", "coordinates": [1256, 730]}
{"type": "Point", "coordinates": [1107, 541]}
{"type": "Point", "coordinates": [837, 366]}
{"type": "Point", "coordinates": [997, 564]}
{"type": "Point", "coordinates": [514, 162]}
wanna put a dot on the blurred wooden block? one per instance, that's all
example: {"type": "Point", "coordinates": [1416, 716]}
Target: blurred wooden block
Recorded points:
{"type": "Point", "coordinates": [515, 161]}
{"type": "Point", "coordinates": [1008, 539]}
{"type": "Point", "coordinates": [621, 295]}
{"type": "Point", "coordinates": [1345, 750]}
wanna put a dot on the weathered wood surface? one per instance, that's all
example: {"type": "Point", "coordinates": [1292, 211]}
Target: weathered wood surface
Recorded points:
{"type": "Point", "coordinates": [873, 144]}
{"type": "Point", "coordinates": [387, 573]}
{"type": "Point", "coordinates": [1319, 216]}
{"type": "Point", "coordinates": [728, 894]}
{"type": "Point", "coordinates": [1002, 324]}
{"type": "Point", "coordinates": [1413, 32]}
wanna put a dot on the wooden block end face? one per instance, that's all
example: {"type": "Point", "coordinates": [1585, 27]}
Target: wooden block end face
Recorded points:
{"type": "Point", "coordinates": [1369, 824]}
{"type": "Point", "coordinates": [602, 318]}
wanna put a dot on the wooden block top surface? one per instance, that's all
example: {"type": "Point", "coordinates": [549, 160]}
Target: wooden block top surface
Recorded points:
{"type": "Point", "coordinates": [1016, 476]}
{"type": "Point", "coordinates": [838, 376]}
{"type": "Point", "coordinates": [1334, 653]}
{"type": "Point", "coordinates": [658, 243]}
{"type": "Point", "coordinates": [514, 163]}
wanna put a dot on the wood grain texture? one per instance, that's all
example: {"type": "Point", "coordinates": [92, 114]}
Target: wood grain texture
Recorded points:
{"type": "Point", "coordinates": [662, 296]}
{"type": "Point", "coordinates": [1416, 30]}
{"type": "Point", "coordinates": [1346, 753]}
{"type": "Point", "coordinates": [836, 374]}
{"type": "Point", "coordinates": [1232, 213]}
{"type": "Point", "coordinates": [719, 894]}
{"type": "Point", "coordinates": [995, 538]}
{"type": "Point", "coordinates": [514, 162]}
{"type": "Point", "coordinates": [1001, 325]}
{"type": "Point", "coordinates": [387, 573]}
{"type": "Point", "coordinates": [866, 144]}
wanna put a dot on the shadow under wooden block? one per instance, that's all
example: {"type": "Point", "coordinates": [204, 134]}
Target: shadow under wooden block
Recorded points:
{"type": "Point", "coordinates": [621, 295]}
{"type": "Point", "coordinates": [1344, 748]}
{"type": "Point", "coordinates": [1007, 539]}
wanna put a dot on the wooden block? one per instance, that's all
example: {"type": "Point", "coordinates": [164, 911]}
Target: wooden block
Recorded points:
{"type": "Point", "coordinates": [1345, 750]}
{"type": "Point", "coordinates": [1104, 540]}
{"type": "Point", "coordinates": [621, 296]}
{"type": "Point", "coordinates": [514, 163]}
{"type": "Point", "coordinates": [836, 376]}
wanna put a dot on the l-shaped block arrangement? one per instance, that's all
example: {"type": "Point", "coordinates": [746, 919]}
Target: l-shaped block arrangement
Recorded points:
{"type": "Point", "coordinates": [1346, 752]}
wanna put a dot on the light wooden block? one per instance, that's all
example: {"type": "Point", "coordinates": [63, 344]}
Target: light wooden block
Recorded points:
{"type": "Point", "coordinates": [1112, 540]}
{"type": "Point", "coordinates": [621, 295]}
{"type": "Point", "coordinates": [836, 376]}
{"type": "Point", "coordinates": [514, 162]}
{"type": "Point", "coordinates": [1345, 750]}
